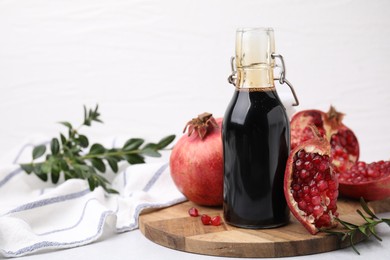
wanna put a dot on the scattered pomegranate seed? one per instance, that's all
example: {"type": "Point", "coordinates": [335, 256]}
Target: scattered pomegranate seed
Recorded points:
{"type": "Point", "coordinates": [193, 212]}
{"type": "Point", "coordinates": [216, 221]}
{"type": "Point", "coordinates": [206, 219]}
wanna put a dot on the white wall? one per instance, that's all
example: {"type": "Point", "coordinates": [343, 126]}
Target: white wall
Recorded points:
{"type": "Point", "coordinates": [152, 65]}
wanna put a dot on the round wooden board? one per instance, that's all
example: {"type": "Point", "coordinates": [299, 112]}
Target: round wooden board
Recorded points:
{"type": "Point", "coordinates": [174, 228]}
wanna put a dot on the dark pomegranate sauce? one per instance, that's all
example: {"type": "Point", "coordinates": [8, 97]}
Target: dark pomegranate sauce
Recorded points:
{"type": "Point", "coordinates": [256, 145]}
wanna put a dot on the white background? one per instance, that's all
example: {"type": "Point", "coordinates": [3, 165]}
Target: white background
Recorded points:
{"type": "Point", "coordinates": [153, 65]}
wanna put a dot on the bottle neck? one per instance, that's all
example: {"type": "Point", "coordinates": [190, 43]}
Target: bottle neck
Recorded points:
{"type": "Point", "coordinates": [255, 77]}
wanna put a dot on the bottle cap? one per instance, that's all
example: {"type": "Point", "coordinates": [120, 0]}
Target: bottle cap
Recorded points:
{"type": "Point", "coordinates": [254, 47]}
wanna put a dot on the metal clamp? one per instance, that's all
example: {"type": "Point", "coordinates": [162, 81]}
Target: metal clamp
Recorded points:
{"type": "Point", "coordinates": [232, 78]}
{"type": "Point", "coordinates": [282, 78]}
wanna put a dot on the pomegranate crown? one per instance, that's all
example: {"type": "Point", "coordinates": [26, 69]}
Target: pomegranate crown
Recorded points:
{"type": "Point", "coordinates": [333, 117]}
{"type": "Point", "coordinates": [202, 124]}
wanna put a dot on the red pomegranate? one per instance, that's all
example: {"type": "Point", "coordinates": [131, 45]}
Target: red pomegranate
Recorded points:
{"type": "Point", "coordinates": [196, 161]}
{"type": "Point", "coordinates": [344, 144]}
{"type": "Point", "coordinates": [310, 185]}
{"type": "Point", "coordinates": [370, 181]}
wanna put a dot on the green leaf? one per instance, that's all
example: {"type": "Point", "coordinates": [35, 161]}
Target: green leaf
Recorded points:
{"type": "Point", "coordinates": [372, 230]}
{"type": "Point", "coordinates": [54, 146]}
{"type": "Point", "coordinates": [363, 230]}
{"type": "Point", "coordinates": [112, 191]}
{"type": "Point", "coordinates": [91, 183]}
{"type": "Point", "coordinates": [98, 164]}
{"type": "Point", "coordinates": [42, 176]}
{"type": "Point", "coordinates": [55, 175]}
{"type": "Point", "coordinates": [85, 114]}
{"type": "Point", "coordinates": [83, 141]}
{"type": "Point", "coordinates": [352, 244]}
{"type": "Point", "coordinates": [368, 220]}
{"type": "Point", "coordinates": [113, 164]}
{"type": "Point", "coordinates": [346, 224]}
{"type": "Point", "coordinates": [63, 165]}
{"type": "Point", "coordinates": [151, 146]}
{"type": "Point", "coordinates": [367, 209]}
{"type": "Point", "coordinates": [134, 159]}
{"type": "Point", "coordinates": [67, 124]}
{"type": "Point", "coordinates": [46, 167]}
{"type": "Point", "coordinates": [132, 144]}
{"type": "Point", "coordinates": [38, 151]}
{"type": "Point", "coordinates": [63, 139]}
{"type": "Point", "coordinates": [97, 149]}
{"type": "Point", "coordinates": [387, 221]}
{"type": "Point", "coordinates": [27, 167]}
{"type": "Point", "coordinates": [166, 141]}
{"type": "Point", "coordinates": [150, 152]}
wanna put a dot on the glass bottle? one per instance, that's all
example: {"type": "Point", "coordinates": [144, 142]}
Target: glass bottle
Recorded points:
{"type": "Point", "coordinates": [256, 137]}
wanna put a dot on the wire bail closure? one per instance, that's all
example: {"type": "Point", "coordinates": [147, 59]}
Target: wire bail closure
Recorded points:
{"type": "Point", "coordinates": [282, 78]}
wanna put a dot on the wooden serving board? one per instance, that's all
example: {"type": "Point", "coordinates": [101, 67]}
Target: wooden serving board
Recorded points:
{"type": "Point", "coordinates": [174, 228]}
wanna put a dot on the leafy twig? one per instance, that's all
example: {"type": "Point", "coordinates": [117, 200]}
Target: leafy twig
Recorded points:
{"type": "Point", "coordinates": [68, 156]}
{"type": "Point", "coordinates": [367, 229]}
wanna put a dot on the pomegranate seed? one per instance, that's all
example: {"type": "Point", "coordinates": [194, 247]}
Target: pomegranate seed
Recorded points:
{"type": "Point", "coordinates": [308, 165]}
{"type": "Point", "coordinates": [362, 172]}
{"type": "Point", "coordinates": [322, 185]}
{"type": "Point", "coordinates": [296, 187]}
{"type": "Point", "coordinates": [302, 205]}
{"type": "Point", "coordinates": [299, 164]}
{"type": "Point", "coordinates": [303, 174]}
{"type": "Point", "coordinates": [216, 221]}
{"type": "Point", "coordinates": [307, 198]}
{"type": "Point", "coordinates": [193, 212]}
{"type": "Point", "coordinates": [314, 191]}
{"type": "Point", "coordinates": [316, 200]}
{"type": "Point", "coordinates": [318, 211]}
{"type": "Point", "coordinates": [206, 219]}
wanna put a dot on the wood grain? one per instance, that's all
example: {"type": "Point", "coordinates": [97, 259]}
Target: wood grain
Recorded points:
{"type": "Point", "coordinates": [174, 228]}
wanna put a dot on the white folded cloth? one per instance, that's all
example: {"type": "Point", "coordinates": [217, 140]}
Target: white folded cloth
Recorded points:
{"type": "Point", "coordinates": [36, 215]}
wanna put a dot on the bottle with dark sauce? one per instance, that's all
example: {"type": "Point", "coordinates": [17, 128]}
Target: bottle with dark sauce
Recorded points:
{"type": "Point", "coordinates": [256, 138]}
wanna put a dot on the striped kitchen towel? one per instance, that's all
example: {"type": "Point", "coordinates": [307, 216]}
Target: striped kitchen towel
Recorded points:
{"type": "Point", "coordinates": [36, 215]}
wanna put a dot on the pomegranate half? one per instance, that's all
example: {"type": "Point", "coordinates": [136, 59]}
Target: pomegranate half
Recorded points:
{"type": "Point", "coordinates": [344, 144]}
{"type": "Point", "coordinates": [370, 181]}
{"type": "Point", "coordinates": [310, 185]}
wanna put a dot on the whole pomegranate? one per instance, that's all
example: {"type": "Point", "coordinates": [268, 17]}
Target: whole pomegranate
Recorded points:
{"type": "Point", "coordinates": [196, 161]}
{"type": "Point", "coordinates": [310, 185]}
{"type": "Point", "coordinates": [344, 144]}
{"type": "Point", "coordinates": [370, 181]}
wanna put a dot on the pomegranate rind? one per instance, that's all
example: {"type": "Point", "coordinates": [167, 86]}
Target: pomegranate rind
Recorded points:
{"type": "Point", "coordinates": [370, 181]}
{"type": "Point", "coordinates": [329, 125]}
{"type": "Point", "coordinates": [370, 191]}
{"type": "Point", "coordinates": [299, 123]}
{"type": "Point", "coordinates": [197, 168]}
{"type": "Point", "coordinates": [319, 146]}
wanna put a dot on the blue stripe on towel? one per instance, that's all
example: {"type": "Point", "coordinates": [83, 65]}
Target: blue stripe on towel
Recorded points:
{"type": "Point", "coordinates": [148, 205]}
{"type": "Point", "coordinates": [73, 226]}
{"type": "Point", "coordinates": [10, 176]}
{"type": "Point", "coordinates": [44, 202]}
{"type": "Point", "coordinates": [155, 177]}
{"type": "Point", "coordinates": [53, 244]}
